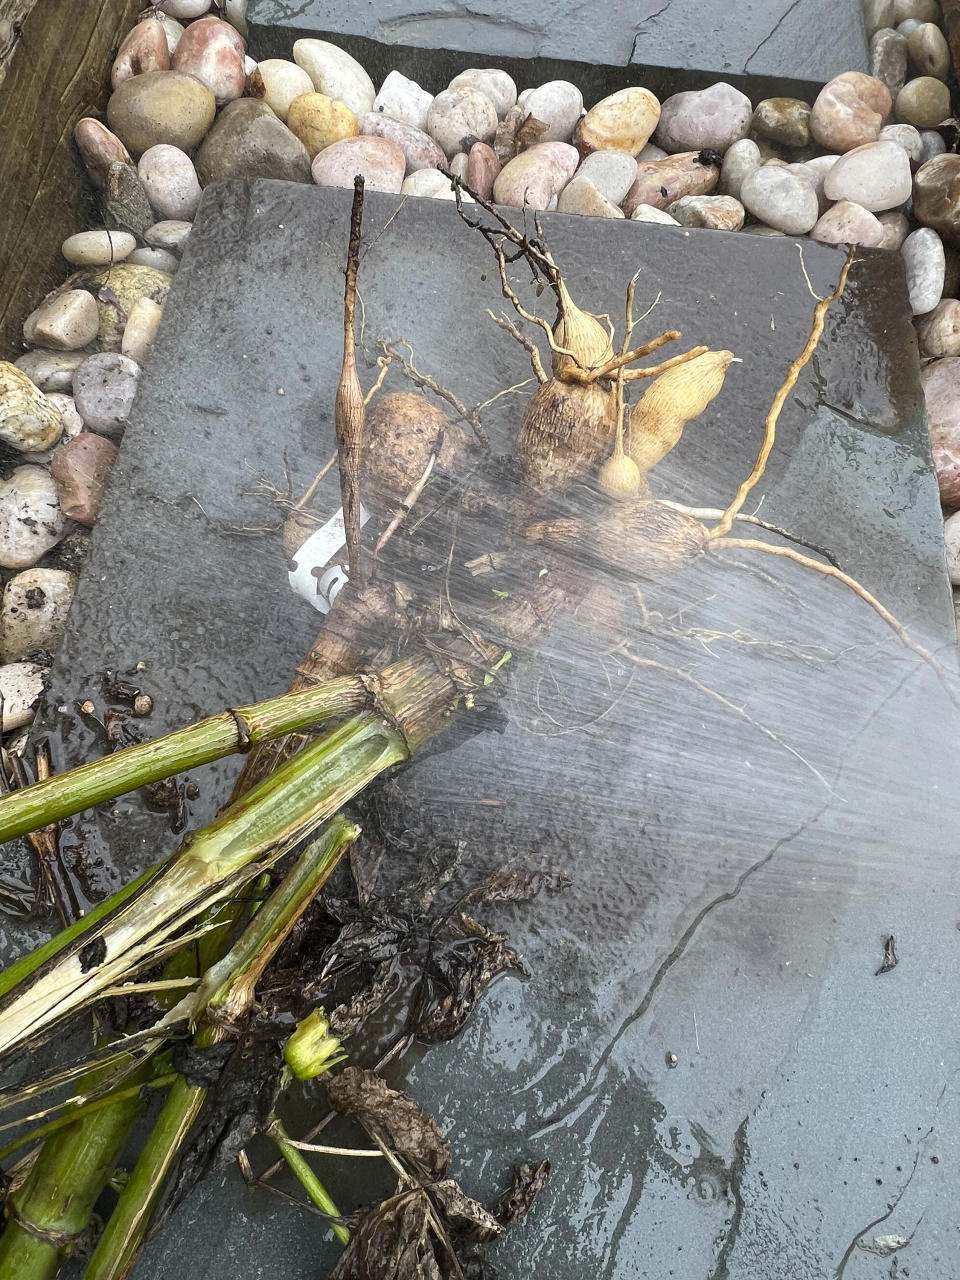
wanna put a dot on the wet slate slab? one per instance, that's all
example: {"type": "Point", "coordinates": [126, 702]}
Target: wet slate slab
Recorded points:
{"type": "Point", "coordinates": [807, 40]}
{"type": "Point", "coordinates": [732, 890]}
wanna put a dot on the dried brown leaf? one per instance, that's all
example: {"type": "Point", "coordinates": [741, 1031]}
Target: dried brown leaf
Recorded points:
{"type": "Point", "coordinates": [393, 1117]}
{"type": "Point", "coordinates": [516, 884]}
{"type": "Point", "coordinates": [456, 979]}
{"type": "Point", "coordinates": [393, 1241]}
{"type": "Point", "coordinates": [465, 1217]}
{"type": "Point", "coordinates": [528, 1182]}
{"type": "Point", "coordinates": [530, 132]}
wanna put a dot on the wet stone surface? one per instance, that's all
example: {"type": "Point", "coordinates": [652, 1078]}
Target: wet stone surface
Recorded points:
{"type": "Point", "coordinates": [812, 39]}
{"type": "Point", "coordinates": [730, 900]}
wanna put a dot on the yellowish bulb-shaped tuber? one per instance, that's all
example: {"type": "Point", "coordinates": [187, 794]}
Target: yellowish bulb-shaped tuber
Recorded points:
{"type": "Point", "coordinates": [620, 477]}
{"type": "Point", "coordinates": [581, 333]}
{"type": "Point", "coordinates": [674, 399]}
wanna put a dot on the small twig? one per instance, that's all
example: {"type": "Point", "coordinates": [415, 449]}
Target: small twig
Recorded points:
{"type": "Point", "coordinates": [527, 343]}
{"type": "Point", "coordinates": [654, 370]}
{"type": "Point", "coordinates": [714, 513]}
{"type": "Point", "coordinates": [507, 391]}
{"type": "Point", "coordinates": [427, 383]}
{"type": "Point", "coordinates": [578, 374]}
{"type": "Point", "coordinates": [409, 502]}
{"type": "Point", "coordinates": [302, 502]}
{"type": "Point", "coordinates": [348, 413]}
{"type": "Point", "coordinates": [384, 362]}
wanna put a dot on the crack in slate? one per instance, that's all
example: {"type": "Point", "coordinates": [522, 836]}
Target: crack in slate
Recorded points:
{"type": "Point", "coordinates": [643, 22]}
{"type": "Point", "coordinates": [848, 1252]}
{"type": "Point", "coordinates": [741, 1153]}
{"type": "Point", "coordinates": [780, 21]}
{"type": "Point", "coordinates": [671, 959]}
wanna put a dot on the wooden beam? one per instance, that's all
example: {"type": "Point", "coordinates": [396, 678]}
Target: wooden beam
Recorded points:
{"type": "Point", "coordinates": [55, 58]}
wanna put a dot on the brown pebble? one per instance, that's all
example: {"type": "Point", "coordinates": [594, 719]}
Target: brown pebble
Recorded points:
{"type": "Point", "coordinates": [482, 169]}
{"type": "Point", "coordinates": [81, 469]}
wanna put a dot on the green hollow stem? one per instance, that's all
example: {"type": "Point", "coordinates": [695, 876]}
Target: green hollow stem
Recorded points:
{"type": "Point", "coordinates": [52, 1208]}
{"type": "Point", "coordinates": [283, 810]}
{"type": "Point", "coordinates": [225, 997]}
{"type": "Point", "coordinates": [237, 729]}
{"type": "Point", "coordinates": [308, 1179]}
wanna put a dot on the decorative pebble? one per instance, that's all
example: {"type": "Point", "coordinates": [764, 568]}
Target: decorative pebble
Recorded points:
{"type": "Point", "coordinates": [140, 330]}
{"type": "Point", "coordinates": [661, 182]}
{"type": "Point", "coordinates": [419, 149]}
{"type": "Point", "coordinates": [104, 388]}
{"type": "Point", "coordinates": [780, 199]}
{"type": "Point", "coordinates": [159, 259]}
{"type": "Point", "coordinates": [888, 59]}
{"type": "Point", "coordinates": [494, 84]}
{"type": "Point", "coordinates": [248, 141]}
{"type": "Point", "coordinates": [33, 612]}
{"type": "Point", "coordinates": [849, 111]}
{"type": "Point", "coordinates": [185, 10]}
{"type": "Point", "coordinates": [381, 162]}
{"type": "Point", "coordinates": [212, 51]}
{"type": "Point", "coordinates": [169, 234]}
{"type": "Point", "coordinates": [906, 136]}
{"type": "Point", "coordinates": [925, 264]}
{"type": "Point", "coordinates": [613, 173]}
{"type": "Point", "coordinates": [536, 176]}
{"type": "Point", "coordinates": [783, 120]}
{"type": "Point", "coordinates": [951, 543]}
{"type": "Point", "coordinates": [430, 182]}
{"type": "Point", "coordinates": [403, 100]}
{"type": "Point", "coordinates": [918, 10]}
{"type": "Point", "coordinates": [482, 169]}
{"type": "Point", "coordinates": [895, 229]}
{"type": "Point", "coordinates": [923, 102]}
{"type": "Point", "coordinates": [144, 48]}
{"type": "Point", "coordinates": [31, 521]}
{"type": "Point", "coordinates": [876, 175]}
{"type": "Point", "coordinates": [277, 82]}
{"type": "Point", "coordinates": [170, 181]}
{"type": "Point", "coordinates": [50, 370]}
{"type": "Point", "coordinates": [721, 213]}
{"type": "Point", "coordinates": [712, 118]}
{"type": "Point", "coordinates": [161, 106]}
{"type": "Point", "coordinates": [647, 213]}
{"type": "Point", "coordinates": [28, 419]}
{"type": "Point", "coordinates": [739, 159]}
{"type": "Point", "coordinates": [623, 121]}
{"type": "Point", "coordinates": [936, 195]}
{"type": "Point", "coordinates": [929, 51]}
{"type": "Point", "coordinates": [99, 148]}
{"type": "Point", "coordinates": [459, 117]}
{"type": "Point", "coordinates": [933, 144]}
{"type": "Point", "coordinates": [941, 389]}
{"type": "Point", "coordinates": [81, 469]}
{"type": "Point", "coordinates": [98, 248]}
{"type": "Point", "coordinates": [848, 223]}
{"type": "Point", "coordinates": [21, 684]}
{"type": "Point", "coordinates": [127, 282]}
{"type": "Point", "coordinates": [906, 27]}
{"type": "Point", "coordinates": [66, 322]}
{"type": "Point", "coordinates": [649, 153]}
{"type": "Point", "coordinates": [558, 104]}
{"type": "Point", "coordinates": [335, 73]}
{"type": "Point", "coordinates": [939, 330]}
{"type": "Point", "coordinates": [877, 14]}
{"type": "Point", "coordinates": [72, 426]}
{"type": "Point", "coordinates": [172, 29]}
{"type": "Point", "coordinates": [581, 196]}
{"type": "Point", "coordinates": [319, 121]}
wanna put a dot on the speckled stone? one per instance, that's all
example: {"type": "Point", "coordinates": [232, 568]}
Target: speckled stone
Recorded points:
{"type": "Point", "coordinates": [29, 419]}
{"type": "Point", "coordinates": [33, 612]}
{"type": "Point", "coordinates": [248, 141]}
{"type": "Point", "coordinates": [31, 521]}
{"type": "Point", "coordinates": [277, 82]}
{"type": "Point", "coordinates": [713, 118]}
{"type": "Point", "coordinates": [849, 111]}
{"type": "Point", "coordinates": [81, 469]}
{"type": "Point", "coordinates": [104, 388]}
{"type": "Point", "coordinates": [936, 195]}
{"type": "Point", "coordinates": [319, 121]}
{"type": "Point", "coordinates": [419, 149]}
{"type": "Point", "coordinates": [782, 200]}
{"type": "Point", "coordinates": [923, 102]}
{"type": "Point", "coordinates": [161, 106]}
{"type": "Point", "coordinates": [888, 59]}
{"type": "Point", "coordinates": [925, 264]}
{"type": "Point", "coordinates": [613, 173]}
{"type": "Point", "coordinates": [941, 389]}
{"type": "Point", "coordinates": [939, 330]}
{"type": "Point", "coordinates": [876, 175]}
{"type": "Point", "coordinates": [721, 213]}
{"type": "Point", "coordinates": [537, 176]}
{"type": "Point", "coordinates": [125, 199]}
{"type": "Point", "coordinates": [783, 120]}
{"type": "Point", "coordinates": [381, 162]}
{"type": "Point", "coordinates": [623, 121]}
{"type": "Point", "coordinates": [458, 118]}
{"type": "Point", "coordinates": [848, 223]}
{"type": "Point", "coordinates": [661, 182]}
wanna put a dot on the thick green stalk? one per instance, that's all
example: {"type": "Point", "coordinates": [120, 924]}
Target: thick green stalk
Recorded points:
{"type": "Point", "coordinates": [308, 1179]}
{"type": "Point", "coordinates": [228, 988]}
{"type": "Point", "coordinates": [53, 1206]}
{"type": "Point", "coordinates": [238, 729]}
{"type": "Point", "coordinates": [286, 807]}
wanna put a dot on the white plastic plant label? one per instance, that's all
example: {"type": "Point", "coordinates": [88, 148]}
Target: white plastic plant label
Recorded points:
{"type": "Point", "coordinates": [319, 571]}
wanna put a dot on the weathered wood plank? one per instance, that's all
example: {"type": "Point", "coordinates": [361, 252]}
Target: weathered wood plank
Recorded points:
{"type": "Point", "coordinates": [56, 71]}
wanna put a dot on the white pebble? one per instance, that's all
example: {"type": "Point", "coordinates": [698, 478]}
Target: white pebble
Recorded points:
{"type": "Point", "coordinates": [647, 213]}
{"type": "Point", "coordinates": [140, 330]}
{"type": "Point", "coordinates": [784, 201]}
{"type": "Point", "coordinates": [496, 85]}
{"type": "Point", "coordinates": [160, 259]}
{"type": "Point", "coordinates": [185, 10]}
{"type": "Point", "coordinates": [613, 173]}
{"type": "Point", "coordinates": [31, 521]}
{"type": "Point", "coordinates": [739, 160]}
{"type": "Point", "coordinates": [430, 182]}
{"type": "Point", "coordinates": [951, 538]}
{"type": "Point", "coordinates": [172, 29]}
{"type": "Point", "coordinates": [277, 82]}
{"type": "Point", "coordinates": [66, 322]}
{"type": "Point", "coordinates": [170, 234]}
{"type": "Point", "coordinates": [21, 684]}
{"type": "Point", "coordinates": [925, 264]}
{"type": "Point", "coordinates": [335, 73]}
{"type": "Point", "coordinates": [875, 175]}
{"type": "Point", "coordinates": [98, 248]}
{"type": "Point", "coordinates": [559, 105]}
{"type": "Point", "coordinates": [33, 611]}
{"type": "Point", "coordinates": [403, 100]}
{"type": "Point", "coordinates": [906, 136]}
{"type": "Point", "coordinates": [459, 117]}
{"type": "Point", "coordinates": [170, 181]}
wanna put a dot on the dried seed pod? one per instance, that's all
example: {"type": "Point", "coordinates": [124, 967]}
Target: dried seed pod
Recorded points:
{"type": "Point", "coordinates": [28, 420]}
{"type": "Point", "coordinates": [620, 478]}
{"type": "Point", "coordinates": [642, 540]}
{"type": "Point", "coordinates": [674, 399]}
{"type": "Point", "coordinates": [580, 332]}
{"type": "Point", "coordinates": [401, 433]}
{"type": "Point", "coordinates": [566, 430]}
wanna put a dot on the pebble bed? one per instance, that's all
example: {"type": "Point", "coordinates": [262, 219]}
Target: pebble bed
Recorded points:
{"type": "Point", "coordinates": [866, 163]}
